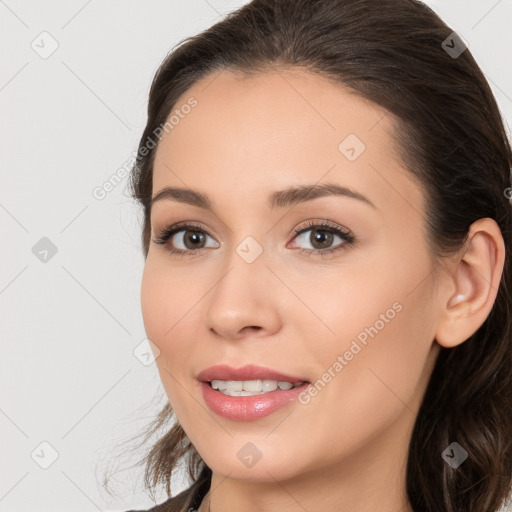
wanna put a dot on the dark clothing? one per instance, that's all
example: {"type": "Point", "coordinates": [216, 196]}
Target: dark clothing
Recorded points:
{"type": "Point", "coordinates": [188, 500]}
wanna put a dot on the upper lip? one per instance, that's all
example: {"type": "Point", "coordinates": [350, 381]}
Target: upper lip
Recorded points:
{"type": "Point", "coordinates": [248, 372]}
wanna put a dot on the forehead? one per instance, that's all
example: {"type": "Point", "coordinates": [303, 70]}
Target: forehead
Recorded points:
{"type": "Point", "coordinates": [274, 129]}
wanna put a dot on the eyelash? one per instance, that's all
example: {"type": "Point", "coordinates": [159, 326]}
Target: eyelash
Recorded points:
{"type": "Point", "coordinates": [348, 238]}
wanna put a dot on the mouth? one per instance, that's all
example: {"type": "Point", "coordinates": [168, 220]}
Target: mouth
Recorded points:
{"type": "Point", "coordinates": [249, 393]}
{"type": "Point", "coordinates": [248, 380]}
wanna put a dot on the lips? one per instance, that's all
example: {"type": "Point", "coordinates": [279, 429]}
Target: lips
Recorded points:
{"type": "Point", "coordinates": [248, 372]}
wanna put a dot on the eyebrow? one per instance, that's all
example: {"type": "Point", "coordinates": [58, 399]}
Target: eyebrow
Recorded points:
{"type": "Point", "coordinates": [278, 199]}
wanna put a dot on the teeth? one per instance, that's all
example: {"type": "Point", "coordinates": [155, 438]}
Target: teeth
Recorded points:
{"type": "Point", "coordinates": [269, 385]}
{"type": "Point", "coordinates": [250, 387]}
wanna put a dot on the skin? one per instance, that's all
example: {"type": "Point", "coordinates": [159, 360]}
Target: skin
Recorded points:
{"type": "Point", "coordinates": [346, 449]}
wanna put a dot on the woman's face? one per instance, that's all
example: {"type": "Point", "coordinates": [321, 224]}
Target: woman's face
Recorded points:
{"type": "Point", "coordinates": [357, 322]}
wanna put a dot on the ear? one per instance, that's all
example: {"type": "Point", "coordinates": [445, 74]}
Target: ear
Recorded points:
{"type": "Point", "coordinates": [472, 285]}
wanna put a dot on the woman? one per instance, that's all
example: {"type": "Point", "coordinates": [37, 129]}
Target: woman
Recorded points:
{"type": "Point", "coordinates": [327, 234]}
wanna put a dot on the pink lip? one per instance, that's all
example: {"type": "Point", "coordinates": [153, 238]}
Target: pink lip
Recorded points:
{"type": "Point", "coordinates": [247, 408]}
{"type": "Point", "coordinates": [248, 372]}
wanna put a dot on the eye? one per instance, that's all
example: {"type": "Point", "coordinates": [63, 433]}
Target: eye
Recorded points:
{"type": "Point", "coordinates": [191, 239]}
{"type": "Point", "coordinates": [323, 236]}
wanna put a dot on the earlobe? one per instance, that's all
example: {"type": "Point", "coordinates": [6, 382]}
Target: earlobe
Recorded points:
{"type": "Point", "coordinates": [472, 285]}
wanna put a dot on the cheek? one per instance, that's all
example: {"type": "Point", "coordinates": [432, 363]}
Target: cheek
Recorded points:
{"type": "Point", "coordinates": [154, 301]}
{"type": "Point", "coordinates": [171, 303]}
{"type": "Point", "coordinates": [384, 329]}
{"type": "Point", "coordinates": [167, 304]}
{"type": "Point", "coordinates": [167, 299]}
{"type": "Point", "coordinates": [384, 380]}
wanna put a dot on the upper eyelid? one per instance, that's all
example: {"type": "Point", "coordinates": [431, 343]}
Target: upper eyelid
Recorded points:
{"type": "Point", "coordinates": [323, 223]}
{"type": "Point", "coordinates": [310, 224]}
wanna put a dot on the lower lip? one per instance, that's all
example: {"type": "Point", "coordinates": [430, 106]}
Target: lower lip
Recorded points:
{"type": "Point", "coordinates": [248, 408]}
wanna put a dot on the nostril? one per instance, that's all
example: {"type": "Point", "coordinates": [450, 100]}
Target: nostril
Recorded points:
{"type": "Point", "coordinates": [252, 328]}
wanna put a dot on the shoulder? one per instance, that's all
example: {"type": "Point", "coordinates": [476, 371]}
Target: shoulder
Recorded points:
{"type": "Point", "coordinates": [179, 503]}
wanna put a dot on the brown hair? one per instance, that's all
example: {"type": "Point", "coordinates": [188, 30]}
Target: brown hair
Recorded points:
{"type": "Point", "coordinates": [452, 140]}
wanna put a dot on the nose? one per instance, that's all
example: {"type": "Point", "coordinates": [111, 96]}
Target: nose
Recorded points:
{"type": "Point", "coordinates": [244, 301]}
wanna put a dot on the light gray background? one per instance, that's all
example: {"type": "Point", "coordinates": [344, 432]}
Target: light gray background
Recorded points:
{"type": "Point", "coordinates": [70, 324]}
